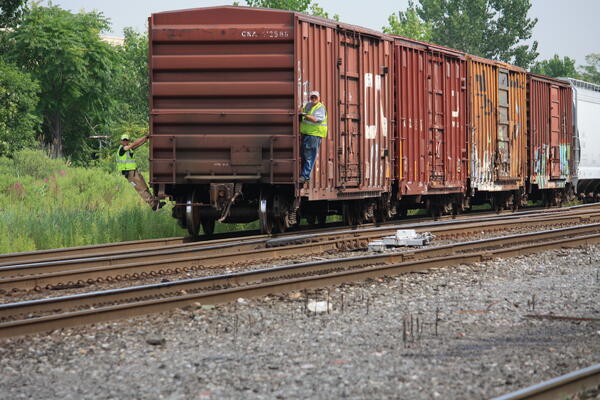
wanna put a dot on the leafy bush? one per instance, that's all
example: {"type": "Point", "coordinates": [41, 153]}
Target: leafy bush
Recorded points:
{"type": "Point", "coordinates": [36, 164]}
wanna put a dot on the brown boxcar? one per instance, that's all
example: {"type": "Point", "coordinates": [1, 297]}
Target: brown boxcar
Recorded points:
{"type": "Point", "coordinates": [226, 85]}
{"type": "Point", "coordinates": [352, 69]}
{"type": "Point", "coordinates": [550, 114]}
{"type": "Point", "coordinates": [222, 96]}
{"type": "Point", "coordinates": [497, 131]}
{"type": "Point", "coordinates": [431, 115]}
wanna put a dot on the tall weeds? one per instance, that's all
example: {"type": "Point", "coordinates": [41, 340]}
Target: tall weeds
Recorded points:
{"type": "Point", "coordinates": [46, 203]}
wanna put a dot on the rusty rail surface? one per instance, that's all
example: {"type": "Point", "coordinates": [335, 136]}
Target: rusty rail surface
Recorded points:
{"type": "Point", "coordinates": [188, 258]}
{"type": "Point", "coordinates": [562, 387]}
{"type": "Point", "coordinates": [107, 249]}
{"type": "Point", "coordinates": [112, 249]}
{"type": "Point", "coordinates": [128, 302]}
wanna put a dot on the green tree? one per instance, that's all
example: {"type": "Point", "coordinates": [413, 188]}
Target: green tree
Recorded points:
{"type": "Point", "coordinates": [130, 83]}
{"type": "Point", "coordinates": [305, 6]}
{"type": "Point", "coordinates": [409, 24]}
{"type": "Point", "coordinates": [591, 72]}
{"type": "Point", "coordinates": [11, 12]}
{"type": "Point", "coordinates": [19, 122]}
{"type": "Point", "coordinates": [74, 67]}
{"type": "Point", "coordinates": [318, 11]}
{"type": "Point", "coordinates": [129, 90]}
{"type": "Point", "coordinates": [296, 5]}
{"type": "Point", "coordinates": [489, 28]}
{"type": "Point", "coordinates": [556, 67]}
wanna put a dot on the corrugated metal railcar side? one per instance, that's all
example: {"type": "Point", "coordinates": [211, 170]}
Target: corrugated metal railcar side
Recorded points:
{"type": "Point", "coordinates": [586, 165]}
{"type": "Point", "coordinates": [226, 86]}
{"type": "Point", "coordinates": [550, 136]}
{"type": "Point", "coordinates": [222, 96]}
{"type": "Point", "coordinates": [431, 115]}
{"type": "Point", "coordinates": [352, 69]}
{"type": "Point", "coordinates": [498, 126]}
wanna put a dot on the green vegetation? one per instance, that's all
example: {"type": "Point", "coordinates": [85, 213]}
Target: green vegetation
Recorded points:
{"type": "Point", "coordinates": [11, 11]}
{"type": "Point", "coordinates": [74, 67]}
{"type": "Point", "coordinates": [591, 71]}
{"type": "Point", "coordinates": [408, 24]}
{"type": "Point", "coordinates": [493, 29]}
{"type": "Point", "coordinates": [305, 6]}
{"type": "Point", "coordinates": [45, 203]}
{"type": "Point", "coordinates": [556, 67]}
{"type": "Point", "coordinates": [19, 123]}
{"type": "Point", "coordinates": [565, 67]}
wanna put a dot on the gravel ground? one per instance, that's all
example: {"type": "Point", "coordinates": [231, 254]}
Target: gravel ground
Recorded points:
{"type": "Point", "coordinates": [460, 332]}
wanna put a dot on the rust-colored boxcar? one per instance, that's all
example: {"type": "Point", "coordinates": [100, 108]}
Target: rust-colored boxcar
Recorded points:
{"type": "Point", "coordinates": [497, 131]}
{"type": "Point", "coordinates": [226, 85]}
{"type": "Point", "coordinates": [550, 114]}
{"type": "Point", "coordinates": [222, 96]}
{"type": "Point", "coordinates": [352, 69]}
{"type": "Point", "coordinates": [431, 115]}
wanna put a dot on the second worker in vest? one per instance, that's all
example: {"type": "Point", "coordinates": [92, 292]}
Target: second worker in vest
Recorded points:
{"type": "Point", "coordinates": [313, 128]}
{"type": "Point", "coordinates": [128, 167]}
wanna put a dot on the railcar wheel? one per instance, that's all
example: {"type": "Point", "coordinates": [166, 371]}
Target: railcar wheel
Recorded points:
{"type": "Point", "coordinates": [322, 219]}
{"type": "Point", "coordinates": [455, 209]}
{"type": "Point", "coordinates": [192, 214]}
{"type": "Point", "coordinates": [208, 225]}
{"type": "Point", "coordinates": [264, 215]}
{"type": "Point", "coordinates": [351, 216]}
{"type": "Point", "coordinates": [281, 224]}
{"type": "Point", "coordinates": [436, 212]}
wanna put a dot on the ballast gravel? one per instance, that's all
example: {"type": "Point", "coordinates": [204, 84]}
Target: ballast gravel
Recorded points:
{"type": "Point", "coordinates": [465, 332]}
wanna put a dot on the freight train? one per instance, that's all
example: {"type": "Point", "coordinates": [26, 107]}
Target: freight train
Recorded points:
{"type": "Point", "coordinates": [411, 124]}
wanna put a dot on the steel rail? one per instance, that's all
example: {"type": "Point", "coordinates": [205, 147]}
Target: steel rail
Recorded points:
{"type": "Point", "coordinates": [114, 249]}
{"type": "Point", "coordinates": [69, 252]}
{"type": "Point", "coordinates": [152, 244]}
{"type": "Point", "coordinates": [222, 288]}
{"type": "Point", "coordinates": [179, 260]}
{"type": "Point", "coordinates": [559, 388]}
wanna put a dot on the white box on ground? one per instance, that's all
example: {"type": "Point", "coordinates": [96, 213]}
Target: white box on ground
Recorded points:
{"type": "Point", "coordinates": [406, 234]}
{"type": "Point", "coordinates": [403, 237]}
{"type": "Point", "coordinates": [376, 245]}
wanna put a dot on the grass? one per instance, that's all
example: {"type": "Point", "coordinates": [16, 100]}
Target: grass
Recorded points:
{"type": "Point", "coordinates": [46, 203]}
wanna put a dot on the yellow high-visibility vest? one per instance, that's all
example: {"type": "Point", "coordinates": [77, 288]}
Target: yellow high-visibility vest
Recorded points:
{"type": "Point", "coordinates": [126, 161]}
{"type": "Point", "coordinates": [314, 128]}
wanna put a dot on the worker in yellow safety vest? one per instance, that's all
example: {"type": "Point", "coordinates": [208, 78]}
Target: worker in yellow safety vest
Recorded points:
{"type": "Point", "coordinates": [313, 128]}
{"type": "Point", "coordinates": [128, 167]}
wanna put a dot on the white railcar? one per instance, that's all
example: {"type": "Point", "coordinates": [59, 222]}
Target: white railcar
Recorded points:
{"type": "Point", "coordinates": [586, 157]}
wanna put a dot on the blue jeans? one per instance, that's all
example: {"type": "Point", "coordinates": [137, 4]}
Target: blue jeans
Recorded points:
{"type": "Point", "coordinates": [310, 148]}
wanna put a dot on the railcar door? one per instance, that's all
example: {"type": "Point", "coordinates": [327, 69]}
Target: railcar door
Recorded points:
{"type": "Point", "coordinates": [555, 128]}
{"type": "Point", "coordinates": [435, 93]}
{"type": "Point", "coordinates": [503, 136]}
{"type": "Point", "coordinates": [349, 111]}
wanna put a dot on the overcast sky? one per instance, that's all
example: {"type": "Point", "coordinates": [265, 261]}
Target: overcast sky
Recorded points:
{"type": "Point", "coordinates": [567, 27]}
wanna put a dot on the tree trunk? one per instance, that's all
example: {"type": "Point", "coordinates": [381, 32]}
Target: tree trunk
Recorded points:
{"type": "Point", "coordinates": [57, 150]}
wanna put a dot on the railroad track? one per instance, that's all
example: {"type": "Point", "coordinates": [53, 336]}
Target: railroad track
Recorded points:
{"type": "Point", "coordinates": [66, 311]}
{"type": "Point", "coordinates": [64, 273]}
{"type": "Point", "coordinates": [563, 387]}
{"type": "Point", "coordinates": [108, 249]}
